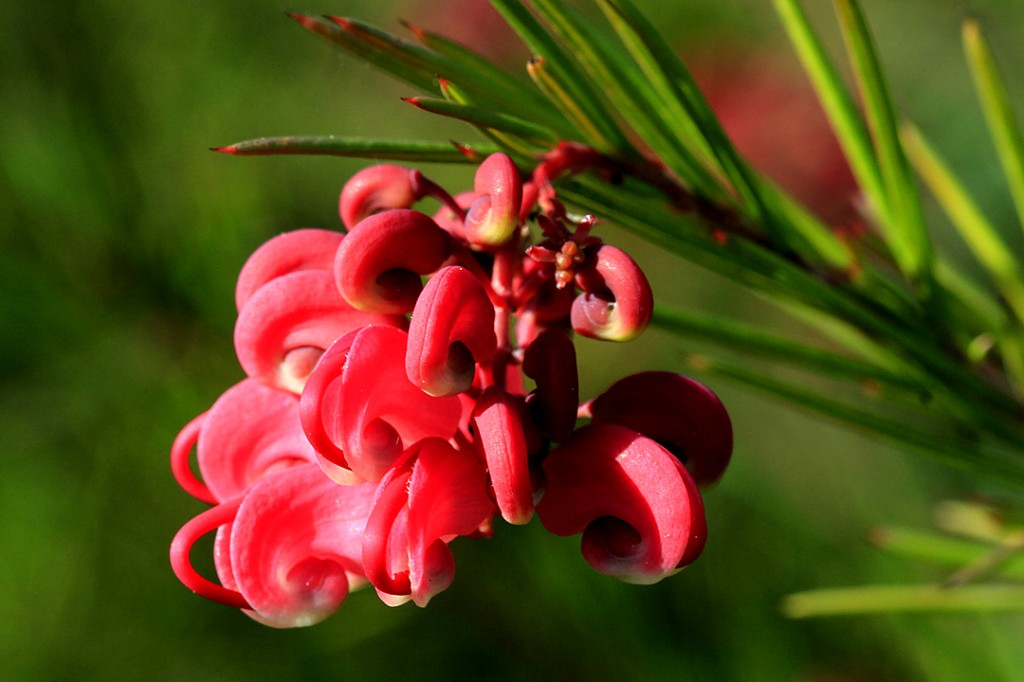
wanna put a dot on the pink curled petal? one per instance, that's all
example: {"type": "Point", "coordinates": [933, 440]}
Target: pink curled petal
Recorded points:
{"type": "Point", "coordinates": [452, 329]}
{"type": "Point", "coordinates": [374, 189]}
{"type": "Point", "coordinates": [249, 433]}
{"type": "Point", "coordinates": [383, 413]}
{"type": "Point", "coordinates": [295, 543]}
{"type": "Point", "coordinates": [379, 263]}
{"type": "Point", "coordinates": [385, 545]}
{"type": "Point", "coordinates": [320, 402]}
{"type": "Point", "coordinates": [181, 452]}
{"type": "Point", "coordinates": [616, 303]}
{"type": "Point", "coordinates": [638, 508]}
{"type": "Point", "coordinates": [181, 549]}
{"type": "Point", "coordinates": [500, 434]}
{"type": "Point", "coordinates": [451, 223]}
{"type": "Point", "coordinates": [682, 414]}
{"type": "Point", "coordinates": [493, 217]}
{"type": "Point", "coordinates": [434, 494]}
{"type": "Point", "coordinates": [307, 249]}
{"type": "Point", "coordinates": [551, 362]}
{"type": "Point", "coordinates": [447, 498]}
{"type": "Point", "coordinates": [288, 323]}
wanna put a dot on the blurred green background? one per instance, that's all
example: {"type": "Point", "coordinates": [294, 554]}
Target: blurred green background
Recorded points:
{"type": "Point", "coordinates": [121, 239]}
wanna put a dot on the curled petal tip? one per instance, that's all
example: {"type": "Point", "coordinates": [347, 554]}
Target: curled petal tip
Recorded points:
{"type": "Point", "coordinates": [638, 509]}
{"type": "Point", "coordinates": [294, 251]}
{"type": "Point", "coordinates": [295, 545]}
{"type": "Point", "coordinates": [433, 496]}
{"type": "Point", "coordinates": [251, 432]}
{"type": "Point", "coordinates": [616, 303]}
{"type": "Point", "coordinates": [360, 410]}
{"type": "Point", "coordinates": [452, 329]}
{"type": "Point", "coordinates": [499, 426]}
{"type": "Point", "coordinates": [374, 189]}
{"type": "Point", "coordinates": [680, 413]}
{"type": "Point", "coordinates": [494, 216]}
{"type": "Point", "coordinates": [288, 321]}
{"type": "Point", "coordinates": [379, 263]}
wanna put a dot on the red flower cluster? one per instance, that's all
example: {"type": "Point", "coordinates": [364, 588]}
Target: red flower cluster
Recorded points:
{"type": "Point", "coordinates": [366, 439]}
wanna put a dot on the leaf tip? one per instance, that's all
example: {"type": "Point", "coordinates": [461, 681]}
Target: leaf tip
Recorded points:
{"type": "Point", "coordinates": [418, 31]}
{"type": "Point", "coordinates": [307, 22]}
{"type": "Point", "coordinates": [344, 23]}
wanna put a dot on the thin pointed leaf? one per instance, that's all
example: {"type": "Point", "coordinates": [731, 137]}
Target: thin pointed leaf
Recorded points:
{"type": "Point", "coordinates": [425, 151]}
{"type": "Point", "coordinates": [1005, 131]}
{"type": "Point", "coordinates": [486, 71]}
{"type": "Point", "coordinates": [944, 443]}
{"type": "Point", "coordinates": [632, 94]}
{"type": "Point", "coordinates": [508, 94]}
{"type": "Point", "coordinates": [819, 242]}
{"type": "Point", "coordinates": [846, 601]}
{"type": "Point", "coordinates": [486, 118]}
{"type": "Point", "coordinates": [685, 105]}
{"type": "Point", "coordinates": [521, 151]}
{"type": "Point", "coordinates": [566, 71]}
{"type": "Point", "coordinates": [980, 235]}
{"type": "Point", "coordinates": [753, 341]}
{"type": "Point", "coordinates": [420, 78]}
{"type": "Point", "coordinates": [838, 103]}
{"type": "Point", "coordinates": [905, 231]}
{"type": "Point", "coordinates": [943, 549]}
{"type": "Point", "coordinates": [541, 74]}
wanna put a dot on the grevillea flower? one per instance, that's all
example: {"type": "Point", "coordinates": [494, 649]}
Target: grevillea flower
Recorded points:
{"type": "Point", "coordinates": [414, 380]}
{"type": "Point", "coordinates": [637, 507]}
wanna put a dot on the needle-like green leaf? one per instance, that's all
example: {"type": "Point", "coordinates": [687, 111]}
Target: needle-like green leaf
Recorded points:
{"type": "Point", "coordinates": [837, 102]}
{"type": "Point", "coordinates": [847, 601]}
{"type": "Point", "coordinates": [565, 70]}
{"type": "Point", "coordinates": [1006, 132]}
{"type": "Point", "coordinates": [756, 342]}
{"type": "Point", "coordinates": [980, 235]}
{"type": "Point", "coordinates": [424, 151]}
{"type": "Point", "coordinates": [486, 118]}
{"type": "Point", "coordinates": [905, 227]}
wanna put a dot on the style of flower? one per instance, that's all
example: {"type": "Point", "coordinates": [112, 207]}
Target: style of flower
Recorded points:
{"type": "Point", "coordinates": [386, 410]}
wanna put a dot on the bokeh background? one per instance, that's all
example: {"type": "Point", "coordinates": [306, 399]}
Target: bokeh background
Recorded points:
{"type": "Point", "coordinates": [121, 236]}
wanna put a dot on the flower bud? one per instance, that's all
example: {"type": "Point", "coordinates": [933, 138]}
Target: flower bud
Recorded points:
{"type": "Point", "coordinates": [295, 546]}
{"type": "Point", "coordinates": [499, 427]}
{"type": "Point", "coordinates": [616, 303]}
{"type": "Point", "coordinates": [379, 263]}
{"type": "Point", "coordinates": [308, 249]}
{"type": "Point", "coordinates": [681, 414]}
{"type": "Point", "coordinates": [494, 215]}
{"type": "Point", "coordinates": [551, 362]}
{"type": "Point", "coordinates": [452, 329]}
{"type": "Point", "coordinates": [287, 324]}
{"type": "Point", "coordinates": [435, 495]}
{"type": "Point", "coordinates": [360, 402]}
{"type": "Point", "coordinates": [637, 507]}
{"type": "Point", "coordinates": [374, 189]}
{"type": "Point", "coordinates": [249, 433]}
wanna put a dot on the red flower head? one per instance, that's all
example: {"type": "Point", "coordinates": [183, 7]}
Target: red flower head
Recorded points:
{"type": "Point", "coordinates": [401, 441]}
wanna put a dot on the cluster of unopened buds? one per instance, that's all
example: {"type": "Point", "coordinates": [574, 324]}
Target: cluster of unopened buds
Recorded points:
{"type": "Point", "coordinates": [412, 379]}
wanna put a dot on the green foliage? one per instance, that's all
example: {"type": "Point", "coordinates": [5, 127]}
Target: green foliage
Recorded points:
{"type": "Point", "coordinates": [122, 235]}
